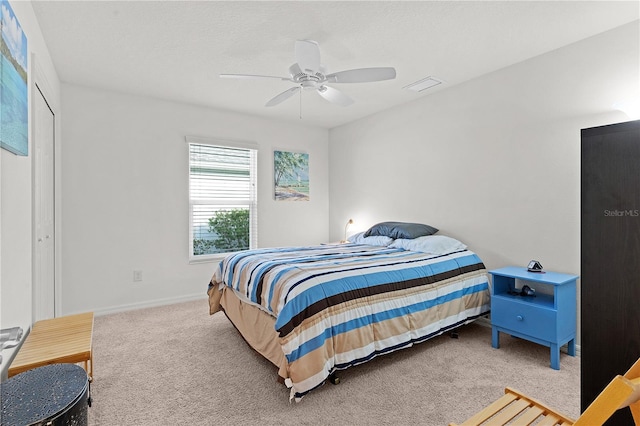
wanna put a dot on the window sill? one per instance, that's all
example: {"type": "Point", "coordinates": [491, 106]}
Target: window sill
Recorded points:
{"type": "Point", "coordinates": [212, 259]}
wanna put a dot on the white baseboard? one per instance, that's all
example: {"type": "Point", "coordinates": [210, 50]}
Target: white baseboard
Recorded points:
{"type": "Point", "coordinates": [486, 322]}
{"type": "Point", "coordinates": [149, 304]}
{"type": "Point", "coordinates": [483, 321]}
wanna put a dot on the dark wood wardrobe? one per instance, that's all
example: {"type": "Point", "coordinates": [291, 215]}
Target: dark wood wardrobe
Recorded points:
{"type": "Point", "coordinates": [610, 258]}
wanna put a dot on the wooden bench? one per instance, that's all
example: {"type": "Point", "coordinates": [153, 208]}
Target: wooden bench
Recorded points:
{"type": "Point", "coordinates": [65, 339]}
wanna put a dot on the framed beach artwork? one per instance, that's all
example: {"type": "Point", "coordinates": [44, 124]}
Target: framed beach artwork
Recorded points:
{"type": "Point", "coordinates": [291, 176]}
{"type": "Point", "coordinates": [14, 103]}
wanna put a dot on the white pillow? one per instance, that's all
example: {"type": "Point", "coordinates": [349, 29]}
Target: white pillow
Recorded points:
{"type": "Point", "coordinates": [431, 244]}
{"type": "Point", "coordinates": [379, 240]}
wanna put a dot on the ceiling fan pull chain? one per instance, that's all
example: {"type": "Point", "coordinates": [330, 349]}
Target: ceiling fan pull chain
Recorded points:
{"type": "Point", "coordinates": [300, 104]}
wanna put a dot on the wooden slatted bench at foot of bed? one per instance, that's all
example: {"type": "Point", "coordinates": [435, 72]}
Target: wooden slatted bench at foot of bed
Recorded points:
{"type": "Point", "coordinates": [65, 339]}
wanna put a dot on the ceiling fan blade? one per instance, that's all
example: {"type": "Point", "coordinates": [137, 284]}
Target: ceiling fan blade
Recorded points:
{"type": "Point", "coordinates": [334, 95]}
{"type": "Point", "coordinates": [282, 96]}
{"type": "Point", "coordinates": [362, 75]}
{"type": "Point", "coordinates": [308, 55]}
{"type": "Point", "coordinates": [253, 76]}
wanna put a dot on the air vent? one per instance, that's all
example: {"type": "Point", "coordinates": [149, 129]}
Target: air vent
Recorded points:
{"type": "Point", "coordinates": [423, 84]}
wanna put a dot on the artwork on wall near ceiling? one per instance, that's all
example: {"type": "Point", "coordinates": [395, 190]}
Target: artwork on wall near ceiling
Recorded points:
{"type": "Point", "coordinates": [291, 176]}
{"type": "Point", "coordinates": [14, 103]}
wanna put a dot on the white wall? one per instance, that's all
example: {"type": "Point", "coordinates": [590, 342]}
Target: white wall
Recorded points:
{"type": "Point", "coordinates": [16, 190]}
{"type": "Point", "coordinates": [125, 191]}
{"type": "Point", "coordinates": [494, 162]}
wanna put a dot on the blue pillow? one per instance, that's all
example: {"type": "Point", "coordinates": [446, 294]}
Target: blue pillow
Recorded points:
{"type": "Point", "coordinates": [403, 230]}
{"type": "Point", "coordinates": [380, 240]}
{"type": "Point", "coordinates": [430, 244]}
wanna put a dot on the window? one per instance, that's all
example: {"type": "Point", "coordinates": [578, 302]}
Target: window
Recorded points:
{"type": "Point", "coordinates": [222, 197]}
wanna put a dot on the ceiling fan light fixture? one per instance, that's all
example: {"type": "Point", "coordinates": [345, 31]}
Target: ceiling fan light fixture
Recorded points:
{"type": "Point", "coordinates": [423, 84]}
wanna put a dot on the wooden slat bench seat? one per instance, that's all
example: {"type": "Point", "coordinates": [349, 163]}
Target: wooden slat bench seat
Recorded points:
{"type": "Point", "coordinates": [515, 408]}
{"type": "Point", "coordinates": [65, 339]}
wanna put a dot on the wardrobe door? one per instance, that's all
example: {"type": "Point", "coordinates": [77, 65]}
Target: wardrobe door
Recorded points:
{"type": "Point", "coordinates": [610, 257]}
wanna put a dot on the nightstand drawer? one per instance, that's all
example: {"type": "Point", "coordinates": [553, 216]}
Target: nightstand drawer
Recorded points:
{"type": "Point", "coordinates": [529, 319]}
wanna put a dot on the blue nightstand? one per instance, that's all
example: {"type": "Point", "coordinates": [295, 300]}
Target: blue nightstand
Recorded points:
{"type": "Point", "coordinates": [546, 319]}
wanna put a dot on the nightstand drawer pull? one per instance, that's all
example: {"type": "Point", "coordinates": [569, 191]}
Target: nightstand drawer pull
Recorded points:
{"type": "Point", "coordinates": [520, 318]}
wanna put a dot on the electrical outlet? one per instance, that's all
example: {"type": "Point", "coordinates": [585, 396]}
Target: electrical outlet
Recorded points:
{"type": "Point", "coordinates": [137, 275]}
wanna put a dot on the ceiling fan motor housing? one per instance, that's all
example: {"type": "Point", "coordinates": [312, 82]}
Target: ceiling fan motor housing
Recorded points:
{"type": "Point", "coordinates": [307, 80]}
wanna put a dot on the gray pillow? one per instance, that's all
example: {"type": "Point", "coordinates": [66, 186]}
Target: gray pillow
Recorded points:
{"type": "Point", "coordinates": [400, 230]}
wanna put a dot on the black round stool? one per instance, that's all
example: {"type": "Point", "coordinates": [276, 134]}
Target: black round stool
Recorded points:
{"type": "Point", "coordinates": [56, 394]}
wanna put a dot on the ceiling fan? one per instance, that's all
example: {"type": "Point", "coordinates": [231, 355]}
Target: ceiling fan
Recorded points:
{"type": "Point", "coordinates": [309, 74]}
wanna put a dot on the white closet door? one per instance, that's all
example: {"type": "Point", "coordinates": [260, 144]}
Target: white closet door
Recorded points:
{"type": "Point", "coordinates": [44, 244]}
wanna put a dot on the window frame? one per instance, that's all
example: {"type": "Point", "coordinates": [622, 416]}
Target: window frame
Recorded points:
{"type": "Point", "coordinates": [252, 201]}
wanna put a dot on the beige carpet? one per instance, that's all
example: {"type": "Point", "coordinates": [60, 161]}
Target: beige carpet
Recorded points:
{"type": "Point", "coordinates": [176, 365]}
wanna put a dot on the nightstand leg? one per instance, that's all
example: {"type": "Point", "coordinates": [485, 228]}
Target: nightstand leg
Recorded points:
{"type": "Point", "coordinates": [571, 347]}
{"type": "Point", "coordinates": [495, 338]}
{"type": "Point", "coordinates": [555, 356]}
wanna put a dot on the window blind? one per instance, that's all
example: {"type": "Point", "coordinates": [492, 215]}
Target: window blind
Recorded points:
{"type": "Point", "coordinates": [222, 198]}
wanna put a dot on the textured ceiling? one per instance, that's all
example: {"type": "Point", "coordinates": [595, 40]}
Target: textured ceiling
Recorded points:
{"type": "Point", "coordinates": [175, 50]}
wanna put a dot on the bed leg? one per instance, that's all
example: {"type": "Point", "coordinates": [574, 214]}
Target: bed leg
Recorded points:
{"type": "Point", "coordinates": [334, 379]}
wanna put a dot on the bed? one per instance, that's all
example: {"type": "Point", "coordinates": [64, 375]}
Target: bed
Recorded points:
{"type": "Point", "coordinates": [314, 310]}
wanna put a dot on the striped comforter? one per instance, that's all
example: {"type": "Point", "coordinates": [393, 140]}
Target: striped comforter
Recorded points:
{"type": "Point", "coordinates": [336, 306]}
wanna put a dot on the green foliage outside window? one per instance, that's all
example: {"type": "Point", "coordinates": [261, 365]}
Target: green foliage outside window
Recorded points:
{"type": "Point", "coordinates": [232, 230]}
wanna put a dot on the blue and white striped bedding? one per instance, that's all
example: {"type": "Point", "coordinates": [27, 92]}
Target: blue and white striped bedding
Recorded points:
{"type": "Point", "coordinates": [340, 305]}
